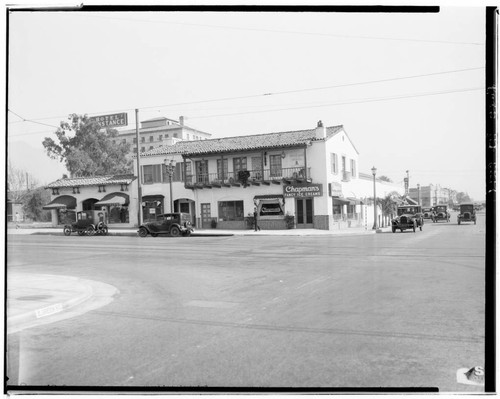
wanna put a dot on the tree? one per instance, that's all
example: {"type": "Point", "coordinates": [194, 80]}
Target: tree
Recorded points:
{"type": "Point", "coordinates": [389, 203]}
{"type": "Point", "coordinates": [463, 198]}
{"type": "Point", "coordinates": [18, 182]}
{"type": "Point", "coordinates": [33, 204]}
{"type": "Point", "coordinates": [385, 178]}
{"type": "Point", "coordinates": [86, 150]}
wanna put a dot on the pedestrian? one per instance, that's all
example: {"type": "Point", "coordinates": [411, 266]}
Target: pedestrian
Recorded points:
{"type": "Point", "coordinates": [255, 216]}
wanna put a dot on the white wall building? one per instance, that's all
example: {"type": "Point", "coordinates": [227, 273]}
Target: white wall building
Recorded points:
{"type": "Point", "coordinates": [308, 178]}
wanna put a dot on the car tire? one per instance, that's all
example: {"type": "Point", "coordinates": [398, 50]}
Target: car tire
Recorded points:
{"type": "Point", "coordinates": [175, 231]}
{"type": "Point", "coordinates": [67, 230]}
{"type": "Point", "coordinates": [104, 230]}
{"type": "Point", "coordinates": [81, 233]}
{"type": "Point", "coordinates": [393, 229]}
{"type": "Point", "coordinates": [143, 232]}
{"type": "Point", "coordinates": [154, 234]}
{"type": "Point", "coordinates": [89, 231]}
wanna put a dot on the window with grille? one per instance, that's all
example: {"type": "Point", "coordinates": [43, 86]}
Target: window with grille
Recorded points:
{"type": "Point", "coordinates": [231, 210]}
{"type": "Point", "coordinates": [275, 165]}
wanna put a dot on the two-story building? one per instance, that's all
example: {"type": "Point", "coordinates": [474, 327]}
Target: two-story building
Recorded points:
{"type": "Point", "coordinates": [309, 178]}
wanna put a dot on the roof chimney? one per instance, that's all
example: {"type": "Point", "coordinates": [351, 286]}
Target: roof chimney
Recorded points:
{"type": "Point", "coordinates": [181, 120]}
{"type": "Point", "coordinates": [320, 131]}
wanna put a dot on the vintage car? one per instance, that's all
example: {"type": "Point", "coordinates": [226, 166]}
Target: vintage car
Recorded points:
{"type": "Point", "coordinates": [428, 213]}
{"type": "Point", "coordinates": [409, 217]}
{"type": "Point", "coordinates": [87, 223]}
{"type": "Point", "coordinates": [441, 213]}
{"type": "Point", "coordinates": [467, 213]}
{"type": "Point", "coordinates": [174, 224]}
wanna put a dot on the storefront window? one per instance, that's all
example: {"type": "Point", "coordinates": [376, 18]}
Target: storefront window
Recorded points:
{"type": "Point", "coordinates": [337, 212]}
{"type": "Point", "coordinates": [118, 214]}
{"type": "Point", "coordinates": [271, 209]}
{"type": "Point", "coordinates": [231, 210]}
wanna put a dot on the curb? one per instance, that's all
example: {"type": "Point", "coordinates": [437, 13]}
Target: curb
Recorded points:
{"type": "Point", "coordinates": [14, 321]}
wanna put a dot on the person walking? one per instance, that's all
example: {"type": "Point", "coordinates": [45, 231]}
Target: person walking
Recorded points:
{"type": "Point", "coordinates": [255, 216]}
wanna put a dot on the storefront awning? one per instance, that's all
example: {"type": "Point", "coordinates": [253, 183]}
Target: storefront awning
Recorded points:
{"type": "Point", "coordinates": [354, 201]}
{"type": "Point", "coordinates": [268, 196]}
{"type": "Point", "coordinates": [64, 201]}
{"type": "Point", "coordinates": [340, 201]}
{"type": "Point", "coordinates": [113, 199]}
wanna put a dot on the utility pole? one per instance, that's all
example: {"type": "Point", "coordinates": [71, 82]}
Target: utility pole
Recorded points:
{"type": "Point", "coordinates": [139, 188]}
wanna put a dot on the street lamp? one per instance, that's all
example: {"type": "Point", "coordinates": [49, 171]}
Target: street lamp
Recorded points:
{"type": "Point", "coordinates": [170, 169]}
{"type": "Point", "coordinates": [374, 172]}
{"type": "Point", "coordinates": [418, 193]}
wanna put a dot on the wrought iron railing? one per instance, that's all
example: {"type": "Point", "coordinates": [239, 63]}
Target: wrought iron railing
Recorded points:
{"type": "Point", "coordinates": [275, 174]}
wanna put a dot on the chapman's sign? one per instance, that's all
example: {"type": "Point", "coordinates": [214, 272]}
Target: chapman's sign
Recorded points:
{"type": "Point", "coordinates": [303, 190]}
{"type": "Point", "coordinates": [111, 120]}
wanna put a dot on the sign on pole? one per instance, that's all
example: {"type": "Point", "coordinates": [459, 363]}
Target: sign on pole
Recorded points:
{"type": "Point", "coordinates": [111, 120]}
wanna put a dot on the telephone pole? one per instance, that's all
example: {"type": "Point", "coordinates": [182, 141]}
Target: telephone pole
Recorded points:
{"type": "Point", "coordinates": [139, 188]}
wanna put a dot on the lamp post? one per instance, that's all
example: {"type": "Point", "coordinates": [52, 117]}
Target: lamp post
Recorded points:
{"type": "Point", "coordinates": [170, 168]}
{"type": "Point", "coordinates": [418, 193]}
{"type": "Point", "coordinates": [374, 172]}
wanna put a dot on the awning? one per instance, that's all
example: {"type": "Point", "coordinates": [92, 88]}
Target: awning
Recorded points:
{"type": "Point", "coordinates": [64, 201]}
{"type": "Point", "coordinates": [269, 196]}
{"type": "Point", "coordinates": [340, 201]}
{"type": "Point", "coordinates": [354, 201]}
{"type": "Point", "coordinates": [113, 199]}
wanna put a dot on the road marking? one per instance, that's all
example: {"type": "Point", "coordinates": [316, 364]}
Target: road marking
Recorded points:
{"type": "Point", "coordinates": [52, 309]}
{"type": "Point", "coordinates": [212, 304]}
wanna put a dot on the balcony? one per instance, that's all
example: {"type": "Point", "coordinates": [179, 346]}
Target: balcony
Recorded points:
{"type": "Point", "coordinates": [255, 178]}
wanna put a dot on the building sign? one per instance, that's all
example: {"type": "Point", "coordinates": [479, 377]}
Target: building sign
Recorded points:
{"type": "Point", "coordinates": [303, 190]}
{"type": "Point", "coordinates": [335, 189]}
{"type": "Point", "coordinates": [111, 120]}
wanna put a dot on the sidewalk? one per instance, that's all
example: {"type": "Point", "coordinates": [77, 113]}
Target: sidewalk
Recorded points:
{"type": "Point", "coordinates": [132, 232]}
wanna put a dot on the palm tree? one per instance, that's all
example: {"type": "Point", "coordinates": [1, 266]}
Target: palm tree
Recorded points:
{"type": "Point", "coordinates": [389, 204]}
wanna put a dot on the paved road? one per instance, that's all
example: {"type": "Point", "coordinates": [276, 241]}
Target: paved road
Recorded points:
{"type": "Point", "coordinates": [383, 310]}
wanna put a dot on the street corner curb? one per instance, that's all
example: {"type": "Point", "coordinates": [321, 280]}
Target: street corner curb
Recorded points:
{"type": "Point", "coordinates": [33, 315]}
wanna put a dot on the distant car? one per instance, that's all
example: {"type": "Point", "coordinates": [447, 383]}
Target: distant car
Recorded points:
{"type": "Point", "coordinates": [88, 223]}
{"type": "Point", "coordinates": [441, 213]}
{"type": "Point", "coordinates": [467, 213]}
{"type": "Point", "coordinates": [428, 213]}
{"type": "Point", "coordinates": [409, 218]}
{"type": "Point", "coordinates": [174, 224]}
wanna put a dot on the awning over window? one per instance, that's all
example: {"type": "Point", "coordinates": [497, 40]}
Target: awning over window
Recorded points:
{"type": "Point", "coordinates": [354, 201]}
{"type": "Point", "coordinates": [340, 201]}
{"type": "Point", "coordinates": [268, 196]}
{"type": "Point", "coordinates": [64, 201]}
{"type": "Point", "coordinates": [113, 199]}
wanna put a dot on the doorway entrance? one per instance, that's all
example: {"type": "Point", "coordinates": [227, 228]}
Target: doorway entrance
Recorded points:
{"type": "Point", "coordinates": [304, 212]}
{"type": "Point", "coordinates": [206, 216]}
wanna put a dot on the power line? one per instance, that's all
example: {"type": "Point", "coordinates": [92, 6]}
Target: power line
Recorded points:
{"type": "Point", "coordinates": [276, 93]}
{"type": "Point", "coordinates": [344, 103]}
{"type": "Point", "coordinates": [239, 28]}
{"type": "Point", "coordinates": [32, 121]}
{"type": "Point", "coordinates": [358, 101]}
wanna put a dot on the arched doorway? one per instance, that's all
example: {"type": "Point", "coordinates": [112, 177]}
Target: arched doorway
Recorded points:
{"type": "Point", "coordinates": [115, 206]}
{"type": "Point", "coordinates": [88, 204]}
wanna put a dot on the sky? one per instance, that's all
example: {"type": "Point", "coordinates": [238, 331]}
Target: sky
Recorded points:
{"type": "Point", "coordinates": [407, 87]}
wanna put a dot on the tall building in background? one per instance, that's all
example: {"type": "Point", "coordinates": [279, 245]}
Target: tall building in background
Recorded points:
{"type": "Point", "coordinates": [160, 132]}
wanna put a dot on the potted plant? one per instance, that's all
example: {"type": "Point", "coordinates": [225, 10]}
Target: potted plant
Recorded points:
{"type": "Point", "coordinates": [290, 221]}
{"type": "Point", "coordinates": [214, 223]}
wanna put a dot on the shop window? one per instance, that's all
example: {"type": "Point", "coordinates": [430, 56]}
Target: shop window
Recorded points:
{"type": "Point", "coordinates": [231, 210]}
{"type": "Point", "coordinates": [118, 214]}
{"type": "Point", "coordinates": [271, 209]}
{"type": "Point", "coordinates": [337, 212]}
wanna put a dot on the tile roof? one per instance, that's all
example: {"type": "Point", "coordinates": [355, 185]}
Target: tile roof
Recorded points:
{"type": "Point", "coordinates": [243, 143]}
{"type": "Point", "coordinates": [92, 181]}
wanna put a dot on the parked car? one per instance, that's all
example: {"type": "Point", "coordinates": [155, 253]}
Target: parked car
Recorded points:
{"type": "Point", "coordinates": [87, 223]}
{"type": "Point", "coordinates": [441, 213]}
{"type": "Point", "coordinates": [174, 224]}
{"type": "Point", "coordinates": [409, 218]}
{"type": "Point", "coordinates": [428, 213]}
{"type": "Point", "coordinates": [467, 213]}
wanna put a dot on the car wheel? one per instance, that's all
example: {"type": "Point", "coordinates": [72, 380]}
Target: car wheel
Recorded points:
{"type": "Point", "coordinates": [67, 230]}
{"type": "Point", "coordinates": [89, 231]}
{"type": "Point", "coordinates": [154, 235]}
{"type": "Point", "coordinates": [143, 232]}
{"type": "Point", "coordinates": [393, 229]}
{"type": "Point", "coordinates": [81, 233]}
{"type": "Point", "coordinates": [175, 232]}
{"type": "Point", "coordinates": [104, 230]}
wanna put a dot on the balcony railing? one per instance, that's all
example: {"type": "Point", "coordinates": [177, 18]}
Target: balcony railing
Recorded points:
{"type": "Point", "coordinates": [266, 176]}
